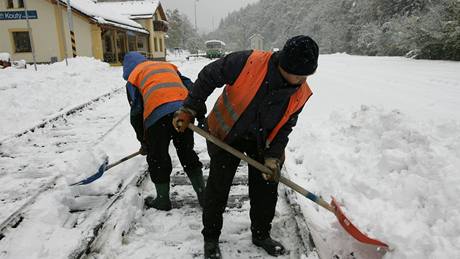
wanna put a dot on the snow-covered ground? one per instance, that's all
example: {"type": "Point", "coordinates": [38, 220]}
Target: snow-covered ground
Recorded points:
{"type": "Point", "coordinates": [28, 97]}
{"type": "Point", "coordinates": [380, 134]}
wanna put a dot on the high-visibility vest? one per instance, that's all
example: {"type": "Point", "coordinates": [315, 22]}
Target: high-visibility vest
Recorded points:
{"type": "Point", "coordinates": [159, 83]}
{"type": "Point", "coordinates": [235, 98]}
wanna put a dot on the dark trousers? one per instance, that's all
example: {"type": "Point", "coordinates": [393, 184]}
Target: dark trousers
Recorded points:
{"type": "Point", "coordinates": [263, 194]}
{"type": "Point", "coordinates": [158, 137]}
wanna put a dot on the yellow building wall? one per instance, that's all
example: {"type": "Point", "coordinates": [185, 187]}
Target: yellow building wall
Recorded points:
{"type": "Point", "coordinates": [43, 32]}
{"type": "Point", "coordinates": [145, 39]}
{"type": "Point", "coordinates": [149, 27]}
{"type": "Point", "coordinates": [47, 33]}
{"type": "Point", "coordinates": [83, 34]}
{"type": "Point", "coordinates": [161, 53]}
{"type": "Point", "coordinates": [143, 22]}
{"type": "Point", "coordinates": [161, 48]}
{"type": "Point", "coordinates": [155, 35]}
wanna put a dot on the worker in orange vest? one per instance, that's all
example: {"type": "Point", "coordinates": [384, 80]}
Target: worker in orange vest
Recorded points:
{"type": "Point", "coordinates": [155, 91]}
{"type": "Point", "coordinates": [263, 95]}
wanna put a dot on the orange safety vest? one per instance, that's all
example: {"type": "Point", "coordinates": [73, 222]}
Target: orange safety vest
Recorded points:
{"type": "Point", "coordinates": [159, 83]}
{"type": "Point", "coordinates": [235, 98]}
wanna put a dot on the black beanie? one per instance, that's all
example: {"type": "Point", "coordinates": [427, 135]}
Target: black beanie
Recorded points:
{"type": "Point", "coordinates": [299, 56]}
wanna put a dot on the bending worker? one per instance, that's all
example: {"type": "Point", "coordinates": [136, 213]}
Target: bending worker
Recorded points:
{"type": "Point", "coordinates": [263, 95]}
{"type": "Point", "coordinates": [155, 91]}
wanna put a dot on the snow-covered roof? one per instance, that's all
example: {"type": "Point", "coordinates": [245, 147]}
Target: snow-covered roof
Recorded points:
{"type": "Point", "coordinates": [104, 16]}
{"type": "Point", "coordinates": [215, 41]}
{"type": "Point", "coordinates": [133, 9]}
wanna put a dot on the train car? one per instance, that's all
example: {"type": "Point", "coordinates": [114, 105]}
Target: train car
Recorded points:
{"type": "Point", "coordinates": [215, 48]}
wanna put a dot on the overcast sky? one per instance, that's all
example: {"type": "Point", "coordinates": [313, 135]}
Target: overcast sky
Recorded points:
{"type": "Point", "coordinates": [208, 12]}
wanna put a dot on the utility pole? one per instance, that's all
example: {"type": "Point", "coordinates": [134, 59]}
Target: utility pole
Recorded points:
{"type": "Point", "coordinates": [72, 34]}
{"type": "Point", "coordinates": [30, 35]}
{"type": "Point", "coordinates": [196, 28]}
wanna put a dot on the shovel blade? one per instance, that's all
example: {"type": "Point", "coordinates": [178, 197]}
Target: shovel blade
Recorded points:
{"type": "Point", "coordinates": [352, 230]}
{"type": "Point", "coordinates": [95, 176]}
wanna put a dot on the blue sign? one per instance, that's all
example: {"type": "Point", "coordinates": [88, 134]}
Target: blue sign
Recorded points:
{"type": "Point", "coordinates": [18, 15]}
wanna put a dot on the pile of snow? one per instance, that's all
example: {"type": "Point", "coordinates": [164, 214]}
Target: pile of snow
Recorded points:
{"type": "Point", "coordinates": [27, 96]}
{"type": "Point", "coordinates": [19, 63]}
{"type": "Point", "coordinates": [5, 56]}
{"type": "Point", "coordinates": [397, 179]}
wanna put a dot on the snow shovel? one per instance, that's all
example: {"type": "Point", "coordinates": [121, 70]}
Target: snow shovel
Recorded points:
{"type": "Point", "coordinates": [102, 168]}
{"type": "Point", "coordinates": [333, 207]}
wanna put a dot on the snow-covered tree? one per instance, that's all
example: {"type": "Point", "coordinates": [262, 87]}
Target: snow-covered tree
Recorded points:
{"type": "Point", "coordinates": [181, 33]}
{"type": "Point", "coordinates": [417, 28]}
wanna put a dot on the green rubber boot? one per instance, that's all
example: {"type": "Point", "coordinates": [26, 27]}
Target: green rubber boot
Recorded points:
{"type": "Point", "coordinates": [161, 202]}
{"type": "Point", "coordinates": [196, 177]}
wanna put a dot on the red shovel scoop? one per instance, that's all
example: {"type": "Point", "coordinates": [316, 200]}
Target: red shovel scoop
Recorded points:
{"type": "Point", "coordinates": [351, 229]}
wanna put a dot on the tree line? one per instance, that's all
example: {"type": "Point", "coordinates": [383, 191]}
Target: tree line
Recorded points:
{"type": "Point", "coordinates": [425, 29]}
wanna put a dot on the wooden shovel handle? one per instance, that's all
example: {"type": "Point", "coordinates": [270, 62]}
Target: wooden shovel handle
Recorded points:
{"type": "Point", "coordinates": [122, 160]}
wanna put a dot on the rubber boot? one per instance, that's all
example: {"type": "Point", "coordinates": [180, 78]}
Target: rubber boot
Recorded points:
{"type": "Point", "coordinates": [212, 250]}
{"type": "Point", "coordinates": [271, 246]}
{"type": "Point", "coordinates": [196, 177]}
{"type": "Point", "coordinates": [161, 202]}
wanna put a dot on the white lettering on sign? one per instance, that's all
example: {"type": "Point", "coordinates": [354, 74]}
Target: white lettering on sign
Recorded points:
{"type": "Point", "coordinates": [18, 15]}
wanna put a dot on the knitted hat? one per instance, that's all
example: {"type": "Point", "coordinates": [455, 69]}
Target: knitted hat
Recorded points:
{"type": "Point", "coordinates": [299, 56]}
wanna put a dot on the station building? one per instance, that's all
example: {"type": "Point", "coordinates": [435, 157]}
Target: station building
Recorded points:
{"type": "Point", "coordinates": [103, 30]}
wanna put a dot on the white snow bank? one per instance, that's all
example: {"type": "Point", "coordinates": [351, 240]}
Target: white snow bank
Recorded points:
{"type": "Point", "coordinates": [397, 179]}
{"type": "Point", "coordinates": [28, 96]}
{"type": "Point", "coordinates": [5, 56]}
{"type": "Point", "coordinates": [395, 168]}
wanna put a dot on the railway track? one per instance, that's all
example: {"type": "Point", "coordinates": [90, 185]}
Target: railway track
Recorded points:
{"type": "Point", "coordinates": [60, 115]}
{"type": "Point", "coordinates": [102, 219]}
{"type": "Point", "coordinates": [28, 159]}
{"type": "Point", "coordinates": [185, 218]}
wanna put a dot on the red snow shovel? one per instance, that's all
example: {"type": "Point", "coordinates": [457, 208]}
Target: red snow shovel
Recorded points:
{"type": "Point", "coordinates": [102, 168]}
{"type": "Point", "coordinates": [333, 207]}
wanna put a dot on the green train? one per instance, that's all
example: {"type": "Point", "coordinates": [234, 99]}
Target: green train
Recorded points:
{"type": "Point", "coordinates": [215, 48]}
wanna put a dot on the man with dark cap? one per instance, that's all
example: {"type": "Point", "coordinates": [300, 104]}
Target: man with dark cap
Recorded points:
{"type": "Point", "coordinates": [155, 91]}
{"type": "Point", "coordinates": [263, 96]}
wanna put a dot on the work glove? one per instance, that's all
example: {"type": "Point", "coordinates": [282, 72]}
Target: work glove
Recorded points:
{"type": "Point", "coordinates": [182, 118]}
{"type": "Point", "coordinates": [274, 165]}
{"type": "Point", "coordinates": [143, 149]}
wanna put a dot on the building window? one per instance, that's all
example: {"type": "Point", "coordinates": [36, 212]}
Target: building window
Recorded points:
{"type": "Point", "coordinates": [132, 43]}
{"type": "Point", "coordinates": [140, 43]}
{"type": "Point", "coordinates": [9, 4]}
{"type": "Point", "coordinates": [161, 44]}
{"type": "Point", "coordinates": [22, 41]}
{"type": "Point", "coordinates": [155, 44]}
{"type": "Point", "coordinates": [20, 3]}
{"type": "Point", "coordinates": [108, 43]}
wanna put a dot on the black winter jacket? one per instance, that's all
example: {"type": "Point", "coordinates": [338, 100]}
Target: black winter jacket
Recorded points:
{"type": "Point", "coordinates": [262, 114]}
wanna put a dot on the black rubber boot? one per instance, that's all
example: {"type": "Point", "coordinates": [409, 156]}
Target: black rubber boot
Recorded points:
{"type": "Point", "coordinates": [212, 250]}
{"type": "Point", "coordinates": [272, 247]}
{"type": "Point", "coordinates": [161, 202]}
{"type": "Point", "coordinates": [196, 177]}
